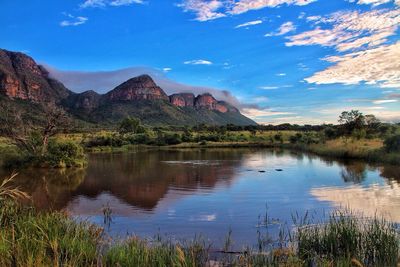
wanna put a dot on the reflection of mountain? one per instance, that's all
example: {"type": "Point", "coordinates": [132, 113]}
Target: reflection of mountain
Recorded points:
{"type": "Point", "coordinates": [143, 178]}
{"type": "Point", "coordinates": [374, 200]}
{"type": "Point", "coordinates": [139, 179]}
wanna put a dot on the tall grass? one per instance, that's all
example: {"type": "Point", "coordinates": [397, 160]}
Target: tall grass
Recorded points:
{"type": "Point", "coordinates": [346, 237]}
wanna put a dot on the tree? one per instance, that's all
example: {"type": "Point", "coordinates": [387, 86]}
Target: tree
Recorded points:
{"type": "Point", "coordinates": [129, 125]}
{"type": "Point", "coordinates": [392, 143]}
{"type": "Point", "coordinates": [372, 124]}
{"type": "Point", "coordinates": [351, 120]}
{"type": "Point", "coordinates": [28, 134]}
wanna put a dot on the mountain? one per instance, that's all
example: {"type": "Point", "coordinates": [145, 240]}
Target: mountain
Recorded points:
{"type": "Point", "coordinates": [22, 78]}
{"type": "Point", "coordinates": [24, 82]}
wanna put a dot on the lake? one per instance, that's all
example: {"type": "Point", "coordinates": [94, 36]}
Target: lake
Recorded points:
{"type": "Point", "coordinates": [182, 193]}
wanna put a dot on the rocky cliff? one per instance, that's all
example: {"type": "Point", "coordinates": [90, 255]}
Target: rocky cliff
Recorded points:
{"type": "Point", "coordinates": [139, 88]}
{"type": "Point", "coordinates": [21, 77]}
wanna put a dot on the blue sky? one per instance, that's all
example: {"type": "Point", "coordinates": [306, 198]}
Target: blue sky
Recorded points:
{"type": "Point", "coordinates": [297, 61]}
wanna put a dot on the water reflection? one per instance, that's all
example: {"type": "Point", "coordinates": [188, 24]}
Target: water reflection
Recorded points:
{"type": "Point", "coordinates": [383, 201]}
{"type": "Point", "coordinates": [183, 192]}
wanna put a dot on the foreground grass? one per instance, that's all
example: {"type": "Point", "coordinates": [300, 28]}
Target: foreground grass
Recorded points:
{"type": "Point", "coordinates": [32, 238]}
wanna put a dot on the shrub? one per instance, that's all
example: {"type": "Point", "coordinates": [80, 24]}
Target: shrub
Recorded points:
{"type": "Point", "coordinates": [392, 143]}
{"type": "Point", "coordinates": [65, 154]}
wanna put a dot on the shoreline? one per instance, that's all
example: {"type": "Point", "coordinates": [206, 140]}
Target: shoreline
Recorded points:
{"type": "Point", "coordinates": [377, 156]}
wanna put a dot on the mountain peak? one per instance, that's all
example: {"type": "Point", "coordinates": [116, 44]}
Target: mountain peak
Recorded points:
{"type": "Point", "coordinates": [21, 77]}
{"type": "Point", "coordinates": [138, 88]}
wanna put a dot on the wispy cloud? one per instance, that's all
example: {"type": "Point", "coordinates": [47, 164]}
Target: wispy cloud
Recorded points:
{"type": "Point", "coordinates": [384, 101]}
{"type": "Point", "coordinates": [256, 113]}
{"type": "Point", "coordinates": [250, 23]}
{"type": "Point", "coordinates": [73, 21]}
{"type": "Point", "coordinates": [373, 66]}
{"type": "Point", "coordinates": [205, 10]}
{"type": "Point", "coordinates": [198, 62]}
{"type": "Point", "coordinates": [268, 87]}
{"type": "Point", "coordinates": [242, 6]}
{"type": "Point", "coordinates": [167, 69]}
{"type": "Point", "coordinates": [283, 29]}
{"type": "Point", "coordinates": [375, 2]}
{"type": "Point", "coordinates": [104, 3]}
{"type": "Point", "coordinates": [350, 30]}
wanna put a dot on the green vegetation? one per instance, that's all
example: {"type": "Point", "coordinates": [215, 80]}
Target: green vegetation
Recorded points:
{"type": "Point", "coordinates": [357, 136]}
{"type": "Point", "coordinates": [34, 140]}
{"type": "Point", "coordinates": [32, 238]}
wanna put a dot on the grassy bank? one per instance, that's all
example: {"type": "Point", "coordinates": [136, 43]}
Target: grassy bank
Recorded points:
{"type": "Point", "coordinates": [32, 238]}
{"type": "Point", "coordinates": [369, 149]}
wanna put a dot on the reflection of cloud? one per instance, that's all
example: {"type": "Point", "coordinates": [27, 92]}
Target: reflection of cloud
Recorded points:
{"type": "Point", "coordinates": [374, 200]}
{"type": "Point", "coordinates": [204, 218]}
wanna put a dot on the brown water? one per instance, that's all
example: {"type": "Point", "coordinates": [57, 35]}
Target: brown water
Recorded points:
{"type": "Point", "coordinates": [181, 193]}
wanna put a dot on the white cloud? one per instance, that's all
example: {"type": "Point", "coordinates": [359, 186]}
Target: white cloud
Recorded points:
{"type": "Point", "coordinates": [283, 29]}
{"type": "Point", "coordinates": [281, 74]}
{"type": "Point", "coordinates": [73, 21]}
{"type": "Point", "coordinates": [255, 113]}
{"type": "Point", "coordinates": [204, 10]}
{"type": "Point", "coordinates": [242, 6]}
{"type": "Point", "coordinates": [260, 99]}
{"type": "Point", "coordinates": [198, 62]}
{"type": "Point", "coordinates": [250, 23]}
{"type": "Point", "coordinates": [104, 3]}
{"type": "Point", "coordinates": [212, 9]}
{"type": "Point", "coordinates": [373, 66]}
{"type": "Point", "coordinates": [350, 30]}
{"type": "Point", "coordinates": [167, 69]}
{"type": "Point", "coordinates": [384, 101]}
{"type": "Point", "coordinates": [375, 2]}
{"type": "Point", "coordinates": [269, 87]}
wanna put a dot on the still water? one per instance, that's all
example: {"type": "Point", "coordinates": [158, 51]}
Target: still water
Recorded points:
{"type": "Point", "coordinates": [181, 193]}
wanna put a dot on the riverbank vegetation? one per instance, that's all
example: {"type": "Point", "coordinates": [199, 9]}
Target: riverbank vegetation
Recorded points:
{"type": "Point", "coordinates": [32, 238]}
{"type": "Point", "coordinates": [32, 142]}
{"type": "Point", "coordinates": [356, 136]}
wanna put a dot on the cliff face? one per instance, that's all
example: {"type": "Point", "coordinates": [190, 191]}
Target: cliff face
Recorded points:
{"type": "Point", "coordinates": [21, 77]}
{"type": "Point", "coordinates": [182, 99]}
{"type": "Point", "coordinates": [86, 101]}
{"type": "Point", "coordinates": [138, 88]}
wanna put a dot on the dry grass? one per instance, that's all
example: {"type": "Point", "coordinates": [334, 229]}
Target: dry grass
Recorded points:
{"type": "Point", "coordinates": [10, 192]}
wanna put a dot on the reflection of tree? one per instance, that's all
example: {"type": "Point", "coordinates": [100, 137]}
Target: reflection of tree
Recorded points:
{"type": "Point", "coordinates": [50, 188]}
{"type": "Point", "coordinates": [391, 172]}
{"type": "Point", "coordinates": [354, 172]}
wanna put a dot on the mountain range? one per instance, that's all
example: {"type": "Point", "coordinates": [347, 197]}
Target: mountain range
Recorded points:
{"type": "Point", "coordinates": [24, 83]}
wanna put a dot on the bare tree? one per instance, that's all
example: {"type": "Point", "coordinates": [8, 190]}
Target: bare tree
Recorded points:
{"type": "Point", "coordinates": [29, 134]}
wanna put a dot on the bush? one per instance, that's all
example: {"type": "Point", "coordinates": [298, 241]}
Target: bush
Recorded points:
{"type": "Point", "coordinates": [392, 144]}
{"type": "Point", "coordinates": [172, 139]}
{"type": "Point", "coordinates": [65, 154]}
